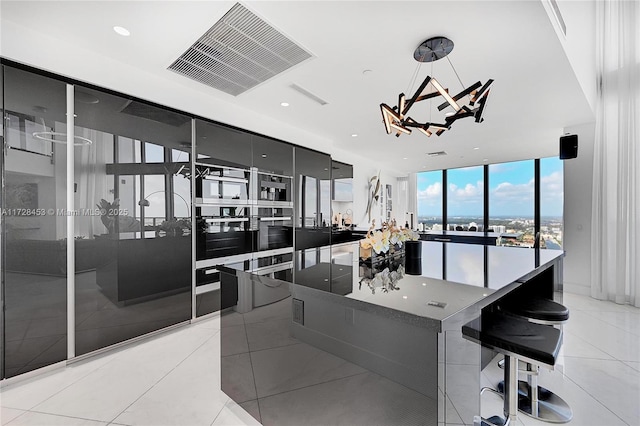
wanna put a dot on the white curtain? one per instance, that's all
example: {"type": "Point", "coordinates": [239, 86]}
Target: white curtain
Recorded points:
{"type": "Point", "coordinates": [615, 248]}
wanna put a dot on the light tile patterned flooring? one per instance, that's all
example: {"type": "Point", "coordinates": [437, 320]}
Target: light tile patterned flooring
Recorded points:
{"type": "Point", "coordinates": [172, 379]}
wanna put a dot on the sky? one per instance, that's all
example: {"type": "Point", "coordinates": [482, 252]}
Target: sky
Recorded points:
{"type": "Point", "coordinates": [510, 190]}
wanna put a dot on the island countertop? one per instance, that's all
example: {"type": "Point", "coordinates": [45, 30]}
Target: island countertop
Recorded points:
{"type": "Point", "coordinates": [453, 277]}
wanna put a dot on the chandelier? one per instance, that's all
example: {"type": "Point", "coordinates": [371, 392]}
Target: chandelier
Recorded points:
{"type": "Point", "coordinates": [470, 102]}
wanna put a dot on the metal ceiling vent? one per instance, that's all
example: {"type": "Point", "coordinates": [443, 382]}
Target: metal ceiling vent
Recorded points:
{"type": "Point", "coordinates": [239, 52]}
{"type": "Point", "coordinates": [436, 153]}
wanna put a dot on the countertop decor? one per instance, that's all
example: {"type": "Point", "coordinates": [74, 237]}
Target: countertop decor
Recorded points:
{"type": "Point", "coordinates": [388, 239]}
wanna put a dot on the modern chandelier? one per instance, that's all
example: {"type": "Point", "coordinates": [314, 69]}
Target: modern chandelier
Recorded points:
{"type": "Point", "coordinates": [470, 102]}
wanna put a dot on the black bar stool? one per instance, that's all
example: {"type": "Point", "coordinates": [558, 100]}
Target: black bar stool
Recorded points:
{"type": "Point", "coordinates": [515, 338]}
{"type": "Point", "coordinates": [537, 401]}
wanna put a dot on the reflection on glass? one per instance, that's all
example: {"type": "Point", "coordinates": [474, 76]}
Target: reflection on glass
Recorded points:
{"type": "Point", "coordinates": [137, 254]}
{"type": "Point", "coordinates": [430, 201]}
{"type": "Point", "coordinates": [34, 235]}
{"type": "Point", "coordinates": [310, 196]}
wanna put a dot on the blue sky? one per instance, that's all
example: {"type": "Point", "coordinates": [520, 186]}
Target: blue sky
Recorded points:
{"type": "Point", "coordinates": [510, 186]}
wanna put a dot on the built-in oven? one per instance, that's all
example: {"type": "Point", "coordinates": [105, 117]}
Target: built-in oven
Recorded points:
{"type": "Point", "coordinates": [275, 227]}
{"type": "Point", "coordinates": [224, 230]}
{"type": "Point", "coordinates": [222, 184]}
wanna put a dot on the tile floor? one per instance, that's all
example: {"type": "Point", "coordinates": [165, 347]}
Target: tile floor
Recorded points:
{"type": "Point", "coordinates": [169, 379]}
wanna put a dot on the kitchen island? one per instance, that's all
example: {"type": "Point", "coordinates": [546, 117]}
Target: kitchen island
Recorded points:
{"type": "Point", "coordinates": [400, 327]}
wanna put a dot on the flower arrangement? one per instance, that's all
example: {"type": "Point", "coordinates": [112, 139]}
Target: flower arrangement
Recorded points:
{"type": "Point", "coordinates": [390, 236]}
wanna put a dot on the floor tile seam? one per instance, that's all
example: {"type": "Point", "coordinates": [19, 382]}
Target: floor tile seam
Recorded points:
{"type": "Point", "coordinates": [81, 377]}
{"type": "Point", "coordinates": [321, 383]}
{"type": "Point", "coordinates": [219, 412]}
{"type": "Point", "coordinates": [612, 324]}
{"type": "Point", "coordinates": [161, 378]}
{"type": "Point", "coordinates": [613, 357]}
{"type": "Point", "coordinates": [594, 397]}
{"type": "Point", "coordinates": [253, 372]}
{"type": "Point", "coordinates": [65, 416]}
{"type": "Point", "coordinates": [275, 347]}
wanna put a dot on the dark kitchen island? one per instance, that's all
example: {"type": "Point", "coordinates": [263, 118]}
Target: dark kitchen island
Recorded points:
{"type": "Point", "coordinates": [396, 333]}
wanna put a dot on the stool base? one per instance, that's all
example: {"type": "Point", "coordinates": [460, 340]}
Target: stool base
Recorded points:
{"type": "Point", "coordinates": [551, 408]}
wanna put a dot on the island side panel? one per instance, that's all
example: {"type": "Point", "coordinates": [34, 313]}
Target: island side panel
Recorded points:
{"type": "Point", "coordinates": [401, 352]}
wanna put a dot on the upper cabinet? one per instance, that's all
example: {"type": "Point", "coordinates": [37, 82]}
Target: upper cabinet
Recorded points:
{"type": "Point", "coordinates": [341, 181]}
{"type": "Point", "coordinates": [223, 146]}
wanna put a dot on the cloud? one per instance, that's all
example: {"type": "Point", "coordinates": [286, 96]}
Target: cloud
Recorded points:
{"type": "Point", "coordinates": [433, 191]}
{"type": "Point", "coordinates": [468, 193]}
{"type": "Point", "coordinates": [509, 192]}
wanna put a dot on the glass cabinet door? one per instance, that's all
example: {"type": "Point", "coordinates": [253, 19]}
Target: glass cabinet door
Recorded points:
{"type": "Point", "coordinates": [34, 263]}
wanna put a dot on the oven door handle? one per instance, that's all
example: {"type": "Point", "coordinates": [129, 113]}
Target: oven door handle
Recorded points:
{"type": "Point", "coordinates": [231, 219]}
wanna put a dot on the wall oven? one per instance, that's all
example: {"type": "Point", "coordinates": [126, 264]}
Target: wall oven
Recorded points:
{"type": "Point", "coordinates": [275, 227]}
{"type": "Point", "coordinates": [224, 230]}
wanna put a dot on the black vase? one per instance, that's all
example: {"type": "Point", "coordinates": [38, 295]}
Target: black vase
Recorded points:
{"type": "Point", "coordinates": [413, 257]}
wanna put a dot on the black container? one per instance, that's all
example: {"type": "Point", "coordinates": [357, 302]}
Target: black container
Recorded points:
{"type": "Point", "coordinates": [413, 257]}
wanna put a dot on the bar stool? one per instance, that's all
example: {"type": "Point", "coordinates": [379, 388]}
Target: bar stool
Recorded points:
{"type": "Point", "coordinates": [515, 338]}
{"type": "Point", "coordinates": [537, 401]}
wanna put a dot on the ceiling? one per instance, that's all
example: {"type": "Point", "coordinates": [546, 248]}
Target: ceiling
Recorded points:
{"type": "Point", "coordinates": [534, 96]}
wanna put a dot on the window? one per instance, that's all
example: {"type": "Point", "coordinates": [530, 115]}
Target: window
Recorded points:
{"type": "Point", "coordinates": [430, 200]}
{"type": "Point", "coordinates": [465, 198]}
{"type": "Point", "coordinates": [551, 202]}
{"type": "Point", "coordinates": [511, 201]}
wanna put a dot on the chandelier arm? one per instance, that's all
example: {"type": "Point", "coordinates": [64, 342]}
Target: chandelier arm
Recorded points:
{"type": "Point", "coordinates": [481, 91]}
{"type": "Point", "coordinates": [415, 96]}
{"type": "Point", "coordinates": [460, 95]}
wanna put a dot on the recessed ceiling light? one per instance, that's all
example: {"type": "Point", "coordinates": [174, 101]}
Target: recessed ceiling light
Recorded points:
{"type": "Point", "coordinates": [284, 104]}
{"type": "Point", "coordinates": [365, 72]}
{"type": "Point", "coordinates": [264, 155]}
{"type": "Point", "coordinates": [326, 168]}
{"type": "Point", "coordinates": [486, 159]}
{"type": "Point", "coordinates": [476, 147]}
{"type": "Point", "coordinates": [424, 284]}
{"type": "Point", "coordinates": [404, 297]}
{"type": "Point", "coordinates": [122, 31]}
{"type": "Point", "coordinates": [354, 135]}
{"type": "Point", "coordinates": [404, 158]}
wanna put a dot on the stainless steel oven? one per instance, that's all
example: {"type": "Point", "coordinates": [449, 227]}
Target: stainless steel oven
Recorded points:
{"type": "Point", "coordinates": [275, 227]}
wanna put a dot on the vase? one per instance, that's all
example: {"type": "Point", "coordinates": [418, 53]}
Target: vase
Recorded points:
{"type": "Point", "coordinates": [413, 257]}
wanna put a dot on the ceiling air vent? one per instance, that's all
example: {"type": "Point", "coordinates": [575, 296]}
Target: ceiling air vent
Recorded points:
{"type": "Point", "coordinates": [436, 153]}
{"type": "Point", "coordinates": [239, 52]}
{"type": "Point", "coordinates": [308, 94]}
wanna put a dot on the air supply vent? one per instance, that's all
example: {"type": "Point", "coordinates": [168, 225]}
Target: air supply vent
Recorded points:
{"type": "Point", "coordinates": [151, 112]}
{"type": "Point", "coordinates": [436, 153]}
{"type": "Point", "coordinates": [239, 52]}
{"type": "Point", "coordinates": [308, 94]}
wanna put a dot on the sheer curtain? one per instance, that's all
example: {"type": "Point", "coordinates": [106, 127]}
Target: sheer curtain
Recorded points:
{"type": "Point", "coordinates": [615, 249]}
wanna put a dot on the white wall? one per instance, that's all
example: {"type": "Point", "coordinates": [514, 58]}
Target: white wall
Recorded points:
{"type": "Point", "coordinates": [577, 212]}
{"type": "Point", "coordinates": [579, 42]}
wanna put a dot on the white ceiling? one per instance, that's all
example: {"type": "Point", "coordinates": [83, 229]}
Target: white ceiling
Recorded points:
{"type": "Point", "coordinates": [534, 96]}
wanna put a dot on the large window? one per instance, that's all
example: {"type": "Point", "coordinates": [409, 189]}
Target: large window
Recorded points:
{"type": "Point", "coordinates": [509, 198]}
{"type": "Point", "coordinates": [551, 202]}
{"type": "Point", "coordinates": [430, 200]}
{"type": "Point", "coordinates": [465, 198]}
{"type": "Point", "coordinates": [511, 201]}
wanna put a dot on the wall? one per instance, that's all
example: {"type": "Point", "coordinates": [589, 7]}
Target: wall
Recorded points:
{"type": "Point", "coordinates": [577, 212]}
{"type": "Point", "coordinates": [579, 41]}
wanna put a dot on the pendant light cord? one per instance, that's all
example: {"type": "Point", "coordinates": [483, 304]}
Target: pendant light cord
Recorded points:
{"type": "Point", "coordinates": [412, 82]}
{"type": "Point", "coordinates": [456, 72]}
